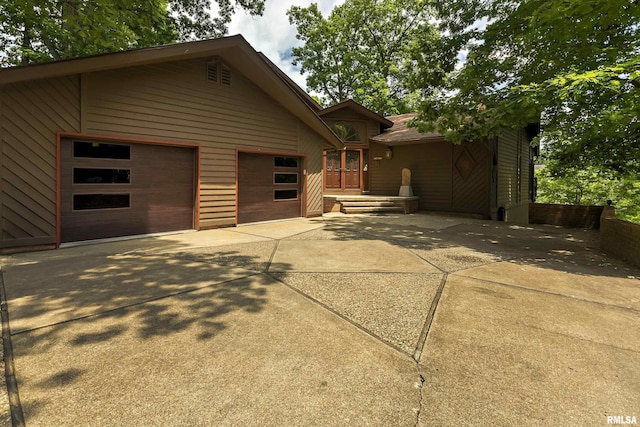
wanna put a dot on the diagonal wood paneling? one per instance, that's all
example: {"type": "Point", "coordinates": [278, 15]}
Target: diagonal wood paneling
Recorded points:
{"type": "Point", "coordinates": [471, 179]}
{"type": "Point", "coordinates": [30, 117]}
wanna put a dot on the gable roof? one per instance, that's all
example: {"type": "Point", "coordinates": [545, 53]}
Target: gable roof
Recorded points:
{"type": "Point", "coordinates": [235, 51]}
{"type": "Point", "coordinates": [293, 85]}
{"type": "Point", "coordinates": [401, 134]}
{"type": "Point", "coordinates": [358, 108]}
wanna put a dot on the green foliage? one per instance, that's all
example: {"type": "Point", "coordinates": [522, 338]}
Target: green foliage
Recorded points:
{"type": "Point", "coordinates": [589, 187]}
{"type": "Point", "coordinates": [35, 31]}
{"type": "Point", "coordinates": [372, 51]}
{"type": "Point", "coordinates": [573, 64]}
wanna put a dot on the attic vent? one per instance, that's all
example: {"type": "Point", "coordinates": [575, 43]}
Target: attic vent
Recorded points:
{"type": "Point", "coordinates": [225, 75]}
{"type": "Point", "coordinates": [213, 74]}
{"type": "Point", "coordinates": [218, 72]}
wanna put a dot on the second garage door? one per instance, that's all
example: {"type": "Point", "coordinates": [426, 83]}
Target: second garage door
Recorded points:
{"type": "Point", "coordinates": [269, 187]}
{"type": "Point", "coordinates": [119, 189]}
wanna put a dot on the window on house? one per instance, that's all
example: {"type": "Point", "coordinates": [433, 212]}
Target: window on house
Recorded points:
{"type": "Point", "coordinates": [285, 178]}
{"type": "Point", "coordinates": [285, 194]}
{"type": "Point", "coordinates": [97, 150]}
{"type": "Point", "coordinates": [101, 176]}
{"type": "Point", "coordinates": [346, 131]}
{"type": "Point", "coordinates": [285, 162]}
{"type": "Point", "coordinates": [83, 202]}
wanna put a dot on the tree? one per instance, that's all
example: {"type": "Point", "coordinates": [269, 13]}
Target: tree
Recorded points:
{"type": "Point", "coordinates": [588, 186]}
{"type": "Point", "coordinates": [573, 64]}
{"type": "Point", "coordinates": [42, 30]}
{"type": "Point", "coordinates": [370, 51]}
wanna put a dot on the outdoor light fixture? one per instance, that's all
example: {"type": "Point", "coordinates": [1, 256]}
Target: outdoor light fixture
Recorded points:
{"type": "Point", "coordinates": [388, 153]}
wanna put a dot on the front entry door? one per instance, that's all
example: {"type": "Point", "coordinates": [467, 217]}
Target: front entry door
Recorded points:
{"type": "Point", "coordinates": [332, 169]}
{"type": "Point", "coordinates": [352, 169]}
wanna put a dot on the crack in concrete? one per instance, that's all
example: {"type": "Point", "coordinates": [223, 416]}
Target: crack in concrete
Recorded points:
{"type": "Point", "coordinates": [421, 388]}
{"type": "Point", "coordinates": [423, 340]}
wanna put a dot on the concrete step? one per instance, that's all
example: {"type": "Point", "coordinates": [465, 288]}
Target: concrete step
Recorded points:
{"type": "Point", "coordinates": [366, 199]}
{"type": "Point", "coordinates": [371, 209]}
{"type": "Point", "coordinates": [366, 203]}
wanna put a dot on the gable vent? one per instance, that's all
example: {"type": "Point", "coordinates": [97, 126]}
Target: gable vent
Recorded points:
{"type": "Point", "coordinates": [225, 75]}
{"type": "Point", "coordinates": [213, 74]}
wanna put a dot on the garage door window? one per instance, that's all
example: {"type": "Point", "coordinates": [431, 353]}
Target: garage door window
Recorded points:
{"type": "Point", "coordinates": [286, 162]}
{"type": "Point", "coordinates": [101, 176]}
{"type": "Point", "coordinates": [83, 202]}
{"type": "Point", "coordinates": [285, 194]}
{"type": "Point", "coordinates": [95, 150]}
{"type": "Point", "coordinates": [285, 178]}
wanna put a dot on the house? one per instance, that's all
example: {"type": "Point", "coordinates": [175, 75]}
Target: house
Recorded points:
{"type": "Point", "coordinates": [186, 136]}
{"type": "Point", "coordinates": [490, 178]}
{"type": "Point", "coordinates": [211, 134]}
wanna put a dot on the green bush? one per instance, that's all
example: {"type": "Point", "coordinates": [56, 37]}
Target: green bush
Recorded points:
{"type": "Point", "coordinates": [588, 187]}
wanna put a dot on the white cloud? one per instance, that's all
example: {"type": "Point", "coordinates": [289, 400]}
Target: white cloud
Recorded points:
{"type": "Point", "coordinates": [272, 34]}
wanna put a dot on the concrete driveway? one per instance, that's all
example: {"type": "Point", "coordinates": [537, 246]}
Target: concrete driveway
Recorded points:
{"type": "Point", "coordinates": [365, 320]}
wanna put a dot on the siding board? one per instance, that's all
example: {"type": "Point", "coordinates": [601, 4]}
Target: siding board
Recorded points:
{"type": "Point", "coordinates": [197, 130]}
{"type": "Point", "coordinates": [309, 142]}
{"type": "Point", "coordinates": [513, 158]}
{"type": "Point", "coordinates": [430, 166]}
{"type": "Point", "coordinates": [27, 220]}
{"type": "Point", "coordinates": [39, 195]}
{"type": "Point", "coordinates": [30, 152]}
{"type": "Point", "coordinates": [31, 116]}
{"type": "Point", "coordinates": [29, 100]}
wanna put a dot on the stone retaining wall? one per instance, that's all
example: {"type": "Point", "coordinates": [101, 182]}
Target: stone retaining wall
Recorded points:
{"type": "Point", "coordinates": [619, 238]}
{"type": "Point", "coordinates": [571, 216]}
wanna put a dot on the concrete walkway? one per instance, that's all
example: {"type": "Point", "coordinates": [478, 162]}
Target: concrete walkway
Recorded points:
{"type": "Point", "coordinates": [365, 320]}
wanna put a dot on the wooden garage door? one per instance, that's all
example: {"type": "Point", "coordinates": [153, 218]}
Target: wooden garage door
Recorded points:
{"type": "Point", "coordinates": [112, 190]}
{"type": "Point", "coordinates": [269, 187]}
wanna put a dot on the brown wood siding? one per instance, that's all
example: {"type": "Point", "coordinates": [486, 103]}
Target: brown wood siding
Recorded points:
{"type": "Point", "coordinates": [371, 127]}
{"type": "Point", "coordinates": [309, 143]}
{"type": "Point", "coordinates": [525, 152]}
{"type": "Point", "coordinates": [471, 186]}
{"type": "Point", "coordinates": [507, 169]}
{"type": "Point", "coordinates": [174, 101]}
{"type": "Point", "coordinates": [161, 191]}
{"type": "Point", "coordinates": [430, 166]}
{"type": "Point", "coordinates": [30, 117]}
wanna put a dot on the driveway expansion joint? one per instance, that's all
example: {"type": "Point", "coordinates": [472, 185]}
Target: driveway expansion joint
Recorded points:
{"type": "Point", "coordinates": [15, 407]}
{"type": "Point", "coordinates": [429, 320]}
{"type": "Point", "coordinates": [273, 254]}
{"type": "Point", "coordinates": [252, 234]}
{"type": "Point", "coordinates": [341, 316]}
{"type": "Point", "coordinates": [135, 304]}
{"type": "Point", "coordinates": [575, 337]}
{"type": "Point", "coordinates": [551, 293]}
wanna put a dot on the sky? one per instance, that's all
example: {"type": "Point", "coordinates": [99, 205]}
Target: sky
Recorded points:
{"type": "Point", "coordinates": [272, 34]}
